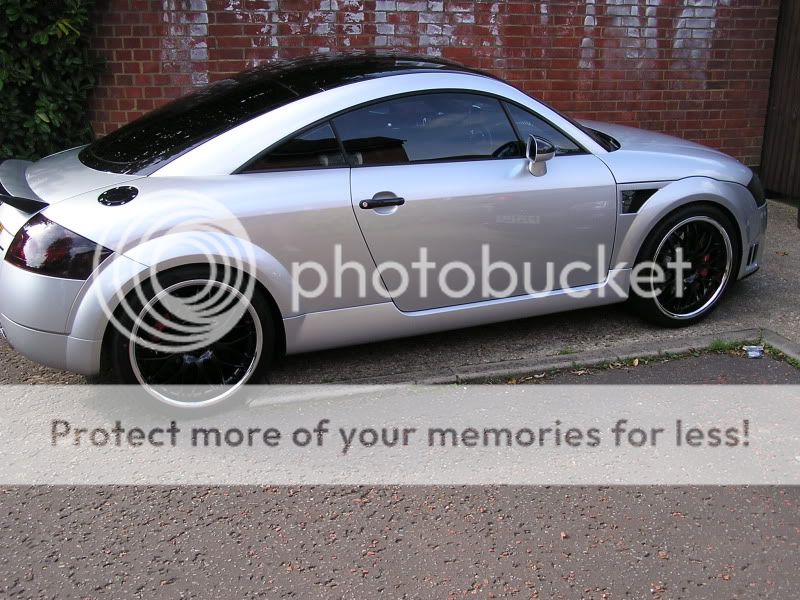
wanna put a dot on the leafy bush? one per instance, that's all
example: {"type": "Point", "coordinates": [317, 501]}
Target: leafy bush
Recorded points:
{"type": "Point", "coordinates": [46, 74]}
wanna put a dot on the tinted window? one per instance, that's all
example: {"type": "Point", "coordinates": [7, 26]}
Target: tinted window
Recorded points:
{"type": "Point", "coordinates": [166, 132]}
{"type": "Point", "coordinates": [161, 135]}
{"type": "Point", "coordinates": [528, 124]}
{"type": "Point", "coordinates": [313, 149]}
{"type": "Point", "coordinates": [428, 127]}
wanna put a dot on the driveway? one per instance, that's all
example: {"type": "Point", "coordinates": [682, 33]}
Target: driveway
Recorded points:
{"type": "Point", "coordinates": [766, 300]}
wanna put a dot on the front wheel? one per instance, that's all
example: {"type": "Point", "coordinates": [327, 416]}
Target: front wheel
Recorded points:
{"type": "Point", "coordinates": [685, 266]}
{"type": "Point", "coordinates": [191, 339]}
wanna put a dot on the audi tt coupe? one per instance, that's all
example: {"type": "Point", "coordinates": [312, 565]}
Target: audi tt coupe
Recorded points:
{"type": "Point", "coordinates": [343, 200]}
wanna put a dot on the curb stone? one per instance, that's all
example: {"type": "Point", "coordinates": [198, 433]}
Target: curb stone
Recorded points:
{"type": "Point", "coordinates": [507, 369]}
{"type": "Point", "coordinates": [525, 366]}
{"type": "Point", "coordinates": [597, 357]}
{"type": "Point", "coordinates": [779, 342]}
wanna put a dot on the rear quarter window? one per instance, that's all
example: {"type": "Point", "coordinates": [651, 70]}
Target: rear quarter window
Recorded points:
{"type": "Point", "coordinates": [163, 134]}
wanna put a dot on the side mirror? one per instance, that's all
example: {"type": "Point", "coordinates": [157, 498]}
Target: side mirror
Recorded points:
{"type": "Point", "coordinates": [538, 151]}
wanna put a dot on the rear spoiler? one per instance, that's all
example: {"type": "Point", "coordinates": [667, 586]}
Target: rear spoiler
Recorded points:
{"type": "Point", "coordinates": [25, 205]}
{"type": "Point", "coordinates": [16, 180]}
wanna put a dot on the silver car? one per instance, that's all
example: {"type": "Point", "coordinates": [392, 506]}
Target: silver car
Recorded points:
{"type": "Point", "coordinates": [342, 200]}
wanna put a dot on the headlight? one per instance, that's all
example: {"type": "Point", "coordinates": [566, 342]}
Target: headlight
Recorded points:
{"type": "Point", "coordinates": [48, 248]}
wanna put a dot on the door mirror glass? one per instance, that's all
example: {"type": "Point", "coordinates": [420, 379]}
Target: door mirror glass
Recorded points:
{"type": "Point", "coordinates": [538, 151]}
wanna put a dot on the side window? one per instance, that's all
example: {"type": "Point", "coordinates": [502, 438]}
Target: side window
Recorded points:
{"type": "Point", "coordinates": [528, 123]}
{"type": "Point", "coordinates": [313, 149]}
{"type": "Point", "coordinates": [428, 127]}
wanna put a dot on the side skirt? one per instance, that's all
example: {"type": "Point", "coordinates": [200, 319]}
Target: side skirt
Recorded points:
{"type": "Point", "coordinates": [376, 322]}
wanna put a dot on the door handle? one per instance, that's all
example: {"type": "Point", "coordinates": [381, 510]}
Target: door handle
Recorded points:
{"type": "Point", "coordinates": [382, 202]}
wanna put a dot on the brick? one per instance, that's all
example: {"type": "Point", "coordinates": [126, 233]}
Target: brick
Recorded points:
{"type": "Point", "coordinates": [698, 68]}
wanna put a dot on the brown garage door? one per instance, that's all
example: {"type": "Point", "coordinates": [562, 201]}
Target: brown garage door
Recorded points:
{"type": "Point", "coordinates": [779, 161]}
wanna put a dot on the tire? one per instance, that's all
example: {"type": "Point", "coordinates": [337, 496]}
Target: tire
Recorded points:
{"type": "Point", "coordinates": [710, 242]}
{"type": "Point", "coordinates": [197, 378]}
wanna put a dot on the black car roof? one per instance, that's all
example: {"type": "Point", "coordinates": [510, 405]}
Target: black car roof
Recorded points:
{"type": "Point", "coordinates": [142, 146]}
{"type": "Point", "coordinates": [323, 72]}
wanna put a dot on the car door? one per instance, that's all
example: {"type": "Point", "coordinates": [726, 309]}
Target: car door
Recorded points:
{"type": "Point", "coordinates": [440, 189]}
{"type": "Point", "coordinates": [294, 202]}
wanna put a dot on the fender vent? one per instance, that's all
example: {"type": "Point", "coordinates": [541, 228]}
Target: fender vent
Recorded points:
{"type": "Point", "coordinates": [751, 256]}
{"type": "Point", "coordinates": [118, 196]}
{"type": "Point", "coordinates": [633, 200]}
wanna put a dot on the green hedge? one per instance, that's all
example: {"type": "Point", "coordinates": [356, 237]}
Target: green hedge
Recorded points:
{"type": "Point", "coordinates": [46, 74]}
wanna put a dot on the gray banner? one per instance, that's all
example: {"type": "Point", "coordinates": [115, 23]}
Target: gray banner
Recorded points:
{"type": "Point", "coordinates": [537, 434]}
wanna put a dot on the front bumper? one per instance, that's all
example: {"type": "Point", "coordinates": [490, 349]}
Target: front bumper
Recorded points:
{"type": "Point", "coordinates": [753, 246]}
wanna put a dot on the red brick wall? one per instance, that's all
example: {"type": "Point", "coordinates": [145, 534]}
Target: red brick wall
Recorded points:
{"type": "Point", "coordinates": [699, 69]}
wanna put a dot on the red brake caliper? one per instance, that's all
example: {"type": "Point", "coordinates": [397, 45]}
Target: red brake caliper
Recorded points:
{"type": "Point", "coordinates": [703, 271]}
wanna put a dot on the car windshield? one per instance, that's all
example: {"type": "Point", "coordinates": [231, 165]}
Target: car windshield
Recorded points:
{"type": "Point", "coordinates": [605, 141]}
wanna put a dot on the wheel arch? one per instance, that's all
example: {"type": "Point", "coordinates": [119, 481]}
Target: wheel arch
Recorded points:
{"type": "Point", "coordinates": [732, 199]}
{"type": "Point", "coordinates": [279, 343]}
{"type": "Point", "coordinates": [698, 204]}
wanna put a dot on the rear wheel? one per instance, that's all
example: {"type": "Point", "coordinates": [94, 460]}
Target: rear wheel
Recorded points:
{"type": "Point", "coordinates": [696, 249]}
{"type": "Point", "coordinates": [191, 340]}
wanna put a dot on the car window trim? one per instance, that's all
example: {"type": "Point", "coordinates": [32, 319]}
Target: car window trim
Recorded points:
{"type": "Point", "coordinates": [349, 162]}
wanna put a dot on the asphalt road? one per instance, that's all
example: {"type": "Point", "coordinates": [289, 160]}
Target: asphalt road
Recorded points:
{"type": "Point", "coordinates": [710, 369]}
{"type": "Point", "coordinates": [483, 542]}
